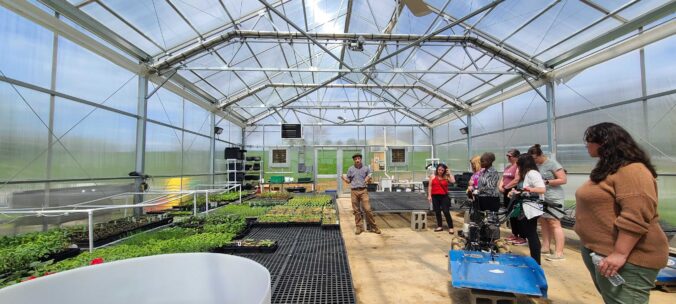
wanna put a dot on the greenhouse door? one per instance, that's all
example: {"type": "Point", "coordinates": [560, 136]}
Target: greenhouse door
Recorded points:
{"type": "Point", "coordinates": [330, 164]}
{"type": "Point", "coordinates": [326, 169]}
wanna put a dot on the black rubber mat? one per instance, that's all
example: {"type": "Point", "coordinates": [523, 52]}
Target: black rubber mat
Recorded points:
{"type": "Point", "coordinates": [314, 289]}
{"type": "Point", "coordinates": [310, 265]}
{"type": "Point", "coordinates": [398, 201]}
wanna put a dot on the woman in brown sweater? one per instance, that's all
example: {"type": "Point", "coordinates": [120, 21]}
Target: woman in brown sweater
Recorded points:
{"type": "Point", "coordinates": [616, 216]}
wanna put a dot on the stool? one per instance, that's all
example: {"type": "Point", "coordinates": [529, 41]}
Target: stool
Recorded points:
{"type": "Point", "coordinates": [418, 220]}
{"type": "Point", "coordinates": [478, 296]}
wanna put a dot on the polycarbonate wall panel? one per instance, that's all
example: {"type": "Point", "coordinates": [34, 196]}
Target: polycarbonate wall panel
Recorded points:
{"type": "Point", "coordinates": [235, 134]}
{"type": "Point", "coordinates": [165, 106]}
{"type": "Point", "coordinates": [441, 134]}
{"type": "Point", "coordinates": [490, 143]}
{"type": "Point", "coordinates": [83, 74]}
{"type": "Point", "coordinates": [195, 154]}
{"type": "Point", "coordinates": [454, 128]}
{"type": "Point", "coordinates": [526, 108]}
{"type": "Point", "coordinates": [163, 150]}
{"type": "Point", "coordinates": [421, 136]}
{"type": "Point", "coordinates": [523, 138]}
{"type": "Point", "coordinates": [457, 156]}
{"type": "Point", "coordinates": [26, 52]}
{"type": "Point", "coordinates": [660, 66]}
{"type": "Point", "coordinates": [23, 133]}
{"type": "Point", "coordinates": [488, 120]}
{"type": "Point", "coordinates": [572, 153]}
{"type": "Point", "coordinates": [197, 119]}
{"type": "Point", "coordinates": [613, 81]}
{"type": "Point", "coordinates": [661, 125]}
{"type": "Point", "coordinates": [93, 142]}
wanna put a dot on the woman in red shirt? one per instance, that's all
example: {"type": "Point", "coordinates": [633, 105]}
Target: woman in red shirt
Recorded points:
{"type": "Point", "coordinates": [437, 194]}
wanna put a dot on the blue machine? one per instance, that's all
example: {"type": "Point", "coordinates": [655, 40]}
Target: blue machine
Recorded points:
{"type": "Point", "coordinates": [498, 272]}
{"type": "Point", "coordinates": [667, 275]}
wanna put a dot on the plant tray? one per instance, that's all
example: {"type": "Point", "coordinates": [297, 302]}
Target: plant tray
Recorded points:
{"type": "Point", "coordinates": [286, 224]}
{"type": "Point", "coordinates": [330, 226]}
{"type": "Point", "coordinates": [230, 248]}
{"type": "Point", "coordinates": [62, 255]}
{"type": "Point", "coordinates": [99, 242]}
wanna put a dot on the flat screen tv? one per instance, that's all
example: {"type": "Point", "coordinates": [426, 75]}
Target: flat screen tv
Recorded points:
{"type": "Point", "coordinates": [291, 131]}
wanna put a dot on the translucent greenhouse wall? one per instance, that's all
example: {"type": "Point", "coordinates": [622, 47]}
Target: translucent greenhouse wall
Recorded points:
{"type": "Point", "coordinates": [91, 107]}
{"type": "Point", "coordinates": [261, 140]}
{"type": "Point", "coordinates": [613, 91]}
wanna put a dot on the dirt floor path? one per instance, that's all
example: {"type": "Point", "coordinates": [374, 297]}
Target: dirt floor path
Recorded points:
{"type": "Point", "coordinates": [404, 266]}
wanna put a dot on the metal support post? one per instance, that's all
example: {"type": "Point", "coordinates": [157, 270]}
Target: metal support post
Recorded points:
{"type": "Point", "coordinates": [469, 137]}
{"type": "Point", "coordinates": [141, 122]}
{"type": "Point", "coordinates": [432, 141]}
{"type": "Point", "coordinates": [206, 200]}
{"type": "Point", "coordinates": [551, 117]}
{"type": "Point", "coordinates": [90, 225]}
{"type": "Point", "coordinates": [212, 148]}
{"type": "Point", "coordinates": [194, 203]}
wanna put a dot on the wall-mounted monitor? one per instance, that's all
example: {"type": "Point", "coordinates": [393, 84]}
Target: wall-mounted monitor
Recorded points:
{"type": "Point", "coordinates": [291, 131]}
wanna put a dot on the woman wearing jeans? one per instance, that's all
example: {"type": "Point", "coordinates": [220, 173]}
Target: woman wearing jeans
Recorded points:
{"type": "Point", "coordinates": [438, 196]}
{"type": "Point", "coordinates": [616, 216]}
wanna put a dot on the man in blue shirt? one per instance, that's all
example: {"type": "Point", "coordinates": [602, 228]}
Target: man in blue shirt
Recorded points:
{"type": "Point", "coordinates": [358, 176]}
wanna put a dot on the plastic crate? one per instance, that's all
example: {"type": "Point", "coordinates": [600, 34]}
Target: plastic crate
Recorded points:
{"type": "Point", "coordinates": [276, 179]}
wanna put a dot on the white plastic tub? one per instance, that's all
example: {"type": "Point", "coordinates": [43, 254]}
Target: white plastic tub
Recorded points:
{"type": "Point", "coordinates": [196, 278]}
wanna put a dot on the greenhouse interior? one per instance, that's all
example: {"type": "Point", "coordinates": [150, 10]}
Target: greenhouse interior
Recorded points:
{"type": "Point", "coordinates": [337, 151]}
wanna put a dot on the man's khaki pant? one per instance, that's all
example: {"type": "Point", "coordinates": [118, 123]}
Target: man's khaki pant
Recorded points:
{"type": "Point", "coordinates": [360, 202]}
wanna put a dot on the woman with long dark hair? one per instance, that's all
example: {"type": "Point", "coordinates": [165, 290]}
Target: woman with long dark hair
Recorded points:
{"type": "Point", "coordinates": [616, 216]}
{"type": "Point", "coordinates": [530, 180]}
{"type": "Point", "coordinates": [555, 176]}
{"type": "Point", "coordinates": [438, 195]}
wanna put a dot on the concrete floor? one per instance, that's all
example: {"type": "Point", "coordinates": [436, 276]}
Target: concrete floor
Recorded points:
{"type": "Point", "coordinates": [404, 266]}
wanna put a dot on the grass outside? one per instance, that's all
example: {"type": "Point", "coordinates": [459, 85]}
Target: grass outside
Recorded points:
{"type": "Point", "coordinates": [666, 208]}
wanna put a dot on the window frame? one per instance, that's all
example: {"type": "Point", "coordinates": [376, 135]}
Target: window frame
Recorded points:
{"type": "Point", "coordinates": [274, 164]}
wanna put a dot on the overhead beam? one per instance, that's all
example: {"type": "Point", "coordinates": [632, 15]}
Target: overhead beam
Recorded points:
{"type": "Point", "coordinates": [599, 8]}
{"type": "Point", "coordinates": [73, 13]}
{"type": "Point", "coordinates": [209, 44]}
{"type": "Point", "coordinates": [660, 12]}
{"type": "Point", "coordinates": [348, 16]}
{"type": "Point", "coordinates": [336, 107]}
{"type": "Point", "coordinates": [317, 70]}
{"type": "Point", "coordinates": [425, 89]}
{"type": "Point", "coordinates": [636, 42]}
{"type": "Point", "coordinates": [398, 8]}
{"type": "Point", "coordinates": [315, 87]}
{"type": "Point", "coordinates": [483, 35]}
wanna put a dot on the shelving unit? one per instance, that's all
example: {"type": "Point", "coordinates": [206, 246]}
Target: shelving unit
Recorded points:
{"type": "Point", "coordinates": [235, 171]}
{"type": "Point", "coordinates": [253, 166]}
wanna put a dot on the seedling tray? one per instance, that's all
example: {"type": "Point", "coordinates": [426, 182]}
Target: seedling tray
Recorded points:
{"type": "Point", "coordinates": [234, 248]}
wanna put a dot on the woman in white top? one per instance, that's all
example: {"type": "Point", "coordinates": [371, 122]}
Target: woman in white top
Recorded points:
{"type": "Point", "coordinates": [530, 181]}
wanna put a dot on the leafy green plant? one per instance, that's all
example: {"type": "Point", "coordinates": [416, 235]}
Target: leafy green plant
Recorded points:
{"type": "Point", "coordinates": [18, 252]}
{"type": "Point", "coordinates": [201, 242]}
{"type": "Point", "coordinates": [257, 202]}
{"type": "Point", "coordinates": [275, 195]}
{"type": "Point", "coordinates": [242, 210]}
{"type": "Point", "coordinates": [311, 200]}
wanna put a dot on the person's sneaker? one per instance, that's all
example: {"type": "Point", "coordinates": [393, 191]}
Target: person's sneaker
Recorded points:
{"type": "Point", "coordinates": [520, 242]}
{"type": "Point", "coordinates": [359, 231]}
{"type": "Point", "coordinates": [375, 230]}
{"type": "Point", "coordinates": [554, 258]}
{"type": "Point", "coordinates": [512, 237]}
